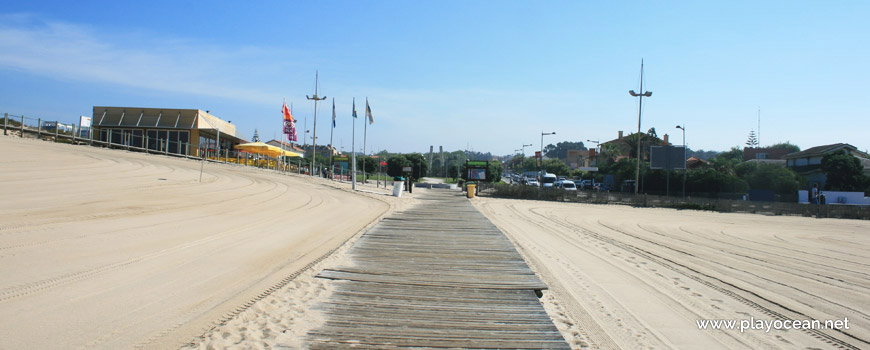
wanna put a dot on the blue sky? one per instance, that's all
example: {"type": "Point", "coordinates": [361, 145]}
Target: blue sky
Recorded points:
{"type": "Point", "coordinates": [487, 75]}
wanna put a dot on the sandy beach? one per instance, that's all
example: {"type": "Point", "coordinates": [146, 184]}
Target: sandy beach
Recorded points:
{"type": "Point", "coordinates": [640, 278]}
{"type": "Point", "coordinates": [117, 250]}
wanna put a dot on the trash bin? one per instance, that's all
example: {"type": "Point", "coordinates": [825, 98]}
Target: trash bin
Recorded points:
{"type": "Point", "coordinates": [398, 183]}
{"type": "Point", "coordinates": [471, 187]}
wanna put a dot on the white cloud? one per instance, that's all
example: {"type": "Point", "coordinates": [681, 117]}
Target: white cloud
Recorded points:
{"type": "Point", "coordinates": [71, 51]}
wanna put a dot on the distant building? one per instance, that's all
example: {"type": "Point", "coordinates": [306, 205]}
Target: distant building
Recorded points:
{"type": "Point", "coordinates": [625, 144]}
{"type": "Point", "coordinates": [778, 162]}
{"type": "Point", "coordinates": [578, 158]}
{"type": "Point", "coordinates": [695, 163]}
{"type": "Point", "coordinates": [750, 153]}
{"type": "Point", "coordinates": [809, 161]}
{"type": "Point", "coordinates": [286, 145]}
{"type": "Point", "coordinates": [322, 150]}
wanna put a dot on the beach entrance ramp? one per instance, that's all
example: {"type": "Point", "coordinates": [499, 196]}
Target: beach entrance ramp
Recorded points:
{"type": "Point", "coordinates": [439, 275]}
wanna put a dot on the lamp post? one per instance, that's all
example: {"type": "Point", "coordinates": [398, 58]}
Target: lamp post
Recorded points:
{"type": "Point", "coordinates": [541, 182]}
{"type": "Point", "coordinates": [523, 160]}
{"type": "Point", "coordinates": [639, 108]}
{"type": "Point", "coordinates": [316, 99]}
{"type": "Point", "coordinates": [686, 170]}
{"type": "Point", "coordinates": [597, 149]}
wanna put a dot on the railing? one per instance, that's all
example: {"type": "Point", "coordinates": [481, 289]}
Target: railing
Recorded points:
{"type": "Point", "coordinates": [698, 203]}
{"type": "Point", "coordinates": [25, 127]}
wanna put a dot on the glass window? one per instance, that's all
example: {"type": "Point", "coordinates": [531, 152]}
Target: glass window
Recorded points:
{"type": "Point", "coordinates": [152, 140]}
{"type": "Point", "coordinates": [173, 142]}
{"type": "Point", "coordinates": [138, 140]}
{"type": "Point", "coordinates": [116, 136]}
{"type": "Point", "coordinates": [161, 135]}
{"type": "Point", "coordinates": [183, 139]}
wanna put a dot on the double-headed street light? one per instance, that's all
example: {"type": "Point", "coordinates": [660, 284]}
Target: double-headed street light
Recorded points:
{"type": "Point", "coordinates": [598, 149]}
{"type": "Point", "coordinates": [541, 182]}
{"type": "Point", "coordinates": [639, 108]}
{"type": "Point", "coordinates": [523, 160]}
{"type": "Point", "coordinates": [683, 127]}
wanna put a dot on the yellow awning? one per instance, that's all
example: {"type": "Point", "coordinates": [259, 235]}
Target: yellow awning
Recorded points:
{"type": "Point", "coordinates": [262, 148]}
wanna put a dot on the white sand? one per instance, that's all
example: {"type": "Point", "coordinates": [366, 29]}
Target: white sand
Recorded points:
{"type": "Point", "coordinates": [117, 250]}
{"type": "Point", "coordinates": [635, 278]}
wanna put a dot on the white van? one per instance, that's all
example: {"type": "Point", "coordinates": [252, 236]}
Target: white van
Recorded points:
{"type": "Point", "coordinates": [548, 180]}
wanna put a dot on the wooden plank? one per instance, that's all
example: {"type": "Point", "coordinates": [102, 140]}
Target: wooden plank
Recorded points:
{"type": "Point", "coordinates": [437, 276]}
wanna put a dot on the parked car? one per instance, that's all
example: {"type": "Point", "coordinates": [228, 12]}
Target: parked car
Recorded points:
{"type": "Point", "coordinates": [532, 182]}
{"type": "Point", "coordinates": [567, 185]}
{"type": "Point", "coordinates": [585, 184]}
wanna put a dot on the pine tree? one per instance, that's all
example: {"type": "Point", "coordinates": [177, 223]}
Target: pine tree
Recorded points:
{"type": "Point", "coordinates": [752, 141]}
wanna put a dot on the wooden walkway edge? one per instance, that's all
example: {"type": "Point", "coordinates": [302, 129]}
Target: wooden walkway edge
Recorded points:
{"type": "Point", "coordinates": [437, 276]}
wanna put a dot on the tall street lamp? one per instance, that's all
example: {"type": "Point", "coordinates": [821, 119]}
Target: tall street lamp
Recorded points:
{"type": "Point", "coordinates": [639, 108]}
{"type": "Point", "coordinates": [316, 99]}
{"type": "Point", "coordinates": [541, 182]}
{"type": "Point", "coordinates": [597, 149]}
{"type": "Point", "coordinates": [523, 160]}
{"type": "Point", "coordinates": [686, 170]}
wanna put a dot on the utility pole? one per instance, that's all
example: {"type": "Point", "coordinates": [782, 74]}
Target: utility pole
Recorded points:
{"type": "Point", "coordinates": [639, 108]}
{"type": "Point", "coordinates": [758, 138]}
{"type": "Point", "coordinates": [541, 180]}
{"type": "Point", "coordinates": [315, 98]}
{"type": "Point", "coordinates": [443, 166]}
{"type": "Point", "coordinates": [353, 149]}
{"type": "Point", "coordinates": [685, 150]}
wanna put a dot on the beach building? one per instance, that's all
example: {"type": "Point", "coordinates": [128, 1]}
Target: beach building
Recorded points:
{"type": "Point", "coordinates": [179, 131]}
{"type": "Point", "coordinates": [808, 163]}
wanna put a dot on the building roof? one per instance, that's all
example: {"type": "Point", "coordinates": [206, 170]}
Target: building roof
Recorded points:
{"type": "Point", "coordinates": [695, 162]}
{"type": "Point", "coordinates": [750, 153]}
{"type": "Point", "coordinates": [159, 118]}
{"type": "Point", "coordinates": [825, 149]}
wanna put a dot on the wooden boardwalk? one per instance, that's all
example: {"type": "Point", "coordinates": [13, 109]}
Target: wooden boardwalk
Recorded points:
{"type": "Point", "coordinates": [437, 276]}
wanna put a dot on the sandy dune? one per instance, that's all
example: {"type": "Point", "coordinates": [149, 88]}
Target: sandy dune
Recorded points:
{"type": "Point", "coordinates": [632, 278]}
{"type": "Point", "coordinates": [117, 250]}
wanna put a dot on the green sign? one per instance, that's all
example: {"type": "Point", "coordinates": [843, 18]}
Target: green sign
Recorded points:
{"type": "Point", "coordinates": [340, 159]}
{"type": "Point", "coordinates": [477, 163]}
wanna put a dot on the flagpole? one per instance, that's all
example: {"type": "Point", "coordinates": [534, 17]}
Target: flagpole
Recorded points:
{"type": "Point", "coordinates": [331, 148]}
{"type": "Point", "coordinates": [365, 135]}
{"type": "Point", "coordinates": [353, 148]}
{"type": "Point", "coordinates": [283, 159]}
